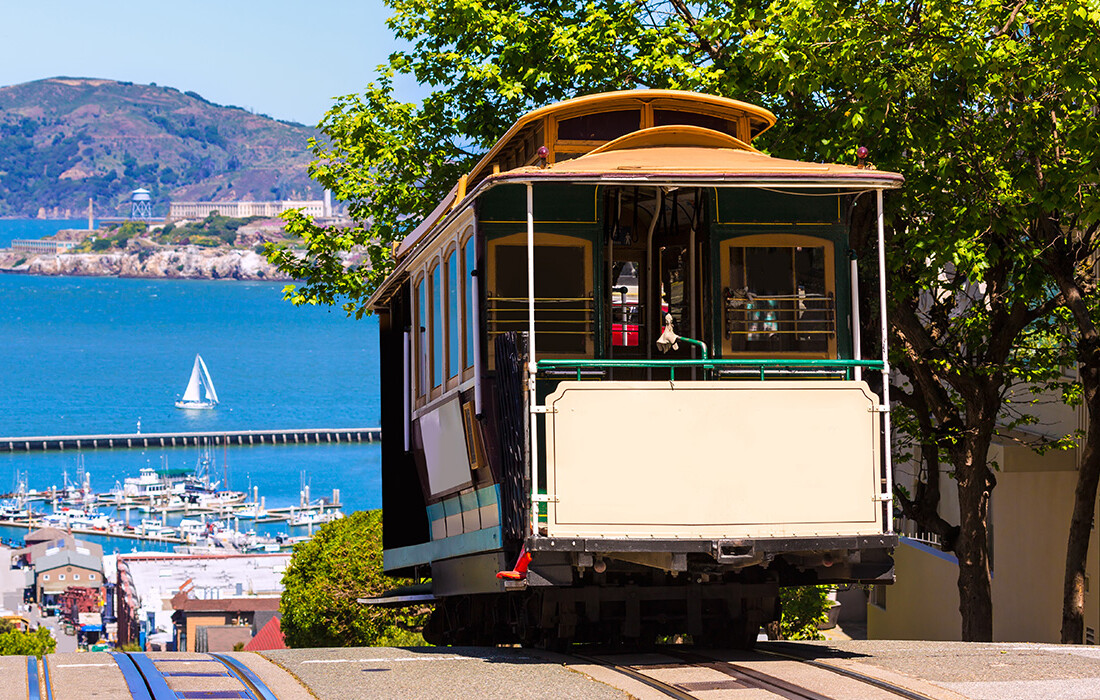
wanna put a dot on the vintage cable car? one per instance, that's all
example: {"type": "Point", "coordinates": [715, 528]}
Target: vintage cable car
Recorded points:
{"type": "Point", "coordinates": [622, 390]}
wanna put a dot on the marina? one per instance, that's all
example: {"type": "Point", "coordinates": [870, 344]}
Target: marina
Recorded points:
{"type": "Point", "coordinates": [180, 506]}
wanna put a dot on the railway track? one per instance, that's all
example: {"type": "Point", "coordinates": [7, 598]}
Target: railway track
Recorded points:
{"type": "Point", "coordinates": [158, 677]}
{"type": "Point", "coordinates": [688, 675]}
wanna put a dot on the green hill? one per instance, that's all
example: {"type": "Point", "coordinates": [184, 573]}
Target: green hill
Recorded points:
{"type": "Point", "coordinates": [63, 140]}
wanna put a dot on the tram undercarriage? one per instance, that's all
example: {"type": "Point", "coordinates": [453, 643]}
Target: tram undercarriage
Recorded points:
{"type": "Point", "coordinates": [657, 590]}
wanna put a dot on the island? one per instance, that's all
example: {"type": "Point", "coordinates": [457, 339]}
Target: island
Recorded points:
{"type": "Point", "coordinates": [214, 247]}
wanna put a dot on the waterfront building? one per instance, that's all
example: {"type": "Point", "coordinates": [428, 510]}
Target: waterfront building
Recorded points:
{"type": "Point", "coordinates": [241, 210]}
{"type": "Point", "coordinates": [43, 246]}
{"type": "Point", "coordinates": [64, 569]}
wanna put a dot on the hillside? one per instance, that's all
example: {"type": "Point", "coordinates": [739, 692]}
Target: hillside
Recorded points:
{"type": "Point", "coordinates": [63, 140]}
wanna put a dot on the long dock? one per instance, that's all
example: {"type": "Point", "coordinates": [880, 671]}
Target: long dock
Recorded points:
{"type": "Point", "coordinates": [47, 443]}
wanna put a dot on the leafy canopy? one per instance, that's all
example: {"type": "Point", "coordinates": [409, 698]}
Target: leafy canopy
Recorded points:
{"type": "Point", "coordinates": [327, 575]}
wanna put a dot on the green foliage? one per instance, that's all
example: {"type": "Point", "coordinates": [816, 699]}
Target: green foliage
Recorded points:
{"type": "Point", "coordinates": [327, 574]}
{"type": "Point", "coordinates": [37, 643]}
{"type": "Point", "coordinates": [205, 241]}
{"type": "Point", "coordinates": [213, 230]}
{"type": "Point", "coordinates": [804, 608]}
{"type": "Point", "coordinates": [101, 244]}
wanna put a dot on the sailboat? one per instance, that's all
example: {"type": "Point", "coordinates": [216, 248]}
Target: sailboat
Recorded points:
{"type": "Point", "coordinates": [200, 377]}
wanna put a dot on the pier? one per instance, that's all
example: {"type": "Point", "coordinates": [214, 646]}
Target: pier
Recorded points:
{"type": "Point", "coordinates": [46, 443]}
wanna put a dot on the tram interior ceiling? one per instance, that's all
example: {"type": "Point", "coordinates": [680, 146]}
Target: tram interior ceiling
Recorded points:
{"type": "Point", "coordinates": [604, 353]}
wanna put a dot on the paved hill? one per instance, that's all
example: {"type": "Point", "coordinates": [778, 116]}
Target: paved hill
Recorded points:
{"type": "Point", "coordinates": [63, 140]}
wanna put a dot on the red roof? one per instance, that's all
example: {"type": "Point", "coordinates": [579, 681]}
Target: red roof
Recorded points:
{"type": "Point", "coordinates": [269, 637]}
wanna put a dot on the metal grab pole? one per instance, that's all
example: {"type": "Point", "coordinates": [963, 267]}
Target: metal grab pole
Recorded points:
{"type": "Point", "coordinates": [532, 364]}
{"type": "Point", "coordinates": [888, 497]}
{"type": "Point", "coordinates": [854, 273]}
{"type": "Point", "coordinates": [475, 343]}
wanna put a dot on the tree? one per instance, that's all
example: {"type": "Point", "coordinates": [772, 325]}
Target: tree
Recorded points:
{"type": "Point", "coordinates": [16, 643]}
{"type": "Point", "coordinates": [327, 575]}
{"type": "Point", "coordinates": [951, 94]}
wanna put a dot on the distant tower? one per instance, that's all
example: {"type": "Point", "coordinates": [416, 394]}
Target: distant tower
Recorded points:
{"type": "Point", "coordinates": [141, 204]}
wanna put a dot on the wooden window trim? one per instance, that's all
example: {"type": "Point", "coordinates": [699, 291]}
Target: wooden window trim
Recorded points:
{"type": "Point", "coordinates": [467, 370]}
{"type": "Point", "coordinates": [434, 391]}
{"type": "Point", "coordinates": [420, 367]}
{"type": "Point", "coordinates": [450, 383]}
{"type": "Point", "coordinates": [543, 239]}
{"type": "Point", "coordinates": [782, 240]}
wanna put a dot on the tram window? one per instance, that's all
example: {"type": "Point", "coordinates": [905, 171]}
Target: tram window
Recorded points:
{"type": "Point", "coordinates": [562, 308]}
{"type": "Point", "coordinates": [421, 337]}
{"type": "Point", "coordinates": [666, 117]}
{"type": "Point", "coordinates": [435, 328]}
{"type": "Point", "coordinates": [778, 301]}
{"type": "Point", "coordinates": [601, 126]}
{"type": "Point", "coordinates": [452, 314]}
{"type": "Point", "coordinates": [471, 322]}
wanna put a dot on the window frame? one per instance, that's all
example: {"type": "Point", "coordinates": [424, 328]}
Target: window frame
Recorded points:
{"type": "Point", "coordinates": [434, 326]}
{"type": "Point", "coordinates": [420, 339]}
{"type": "Point", "coordinates": [543, 239]}
{"type": "Point", "coordinates": [470, 334]}
{"type": "Point", "coordinates": [777, 240]}
{"type": "Point", "coordinates": [452, 376]}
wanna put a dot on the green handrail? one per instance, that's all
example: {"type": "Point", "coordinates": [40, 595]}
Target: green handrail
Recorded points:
{"type": "Point", "coordinates": [761, 364]}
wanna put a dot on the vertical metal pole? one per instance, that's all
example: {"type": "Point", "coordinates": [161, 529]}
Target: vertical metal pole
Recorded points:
{"type": "Point", "coordinates": [888, 497]}
{"type": "Point", "coordinates": [475, 342]}
{"type": "Point", "coordinates": [532, 362]}
{"type": "Point", "coordinates": [854, 274]}
{"type": "Point", "coordinates": [408, 390]}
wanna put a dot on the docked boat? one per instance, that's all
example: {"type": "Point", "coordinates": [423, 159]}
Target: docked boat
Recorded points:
{"type": "Point", "coordinates": [200, 392]}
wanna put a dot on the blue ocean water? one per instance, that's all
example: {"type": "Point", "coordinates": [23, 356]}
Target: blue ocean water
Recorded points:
{"type": "Point", "coordinates": [11, 229]}
{"type": "Point", "coordinates": [95, 355]}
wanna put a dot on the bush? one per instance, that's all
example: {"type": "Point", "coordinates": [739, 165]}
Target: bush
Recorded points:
{"type": "Point", "coordinates": [37, 643]}
{"type": "Point", "coordinates": [326, 576]}
{"type": "Point", "coordinates": [101, 244]}
{"type": "Point", "coordinates": [804, 608]}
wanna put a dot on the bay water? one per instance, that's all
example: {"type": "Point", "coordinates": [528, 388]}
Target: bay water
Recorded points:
{"type": "Point", "coordinates": [83, 355]}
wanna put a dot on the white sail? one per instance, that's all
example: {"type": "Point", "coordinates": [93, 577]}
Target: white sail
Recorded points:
{"type": "Point", "coordinates": [192, 392]}
{"type": "Point", "coordinates": [208, 383]}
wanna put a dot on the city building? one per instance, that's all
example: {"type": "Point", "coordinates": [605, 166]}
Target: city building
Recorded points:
{"type": "Point", "coordinates": [57, 571]}
{"type": "Point", "coordinates": [149, 586]}
{"type": "Point", "coordinates": [217, 624]}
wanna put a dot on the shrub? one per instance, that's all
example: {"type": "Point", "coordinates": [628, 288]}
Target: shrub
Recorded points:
{"type": "Point", "coordinates": [326, 577]}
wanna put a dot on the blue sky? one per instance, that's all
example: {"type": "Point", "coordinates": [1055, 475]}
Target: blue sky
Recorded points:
{"type": "Point", "coordinates": [276, 57]}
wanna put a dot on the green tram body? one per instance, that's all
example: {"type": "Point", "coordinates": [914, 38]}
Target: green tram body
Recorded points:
{"type": "Point", "coordinates": [675, 493]}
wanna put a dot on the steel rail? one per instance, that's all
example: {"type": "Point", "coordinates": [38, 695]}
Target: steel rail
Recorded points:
{"type": "Point", "coordinates": [854, 675]}
{"type": "Point", "coordinates": [147, 682]}
{"type": "Point", "coordinates": [633, 673]}
{"type": "Point", "coordinates": [246, 676]}
{"type": "Point", "coordinates": [34, 688]}
{"type": "Point", "coordinates": [748, 676]}
{"type": "Point", "coordinates": [135, 681]}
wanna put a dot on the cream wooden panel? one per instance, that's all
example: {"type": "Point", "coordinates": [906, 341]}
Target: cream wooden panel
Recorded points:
{"type": "Point", "coordinates": [713, 459]}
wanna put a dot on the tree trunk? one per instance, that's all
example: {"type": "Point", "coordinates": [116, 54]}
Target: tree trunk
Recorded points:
{"type": "Point", "coordinates": [975, 593]}
{"type": "Point", "coordinates": [1084, 500]}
